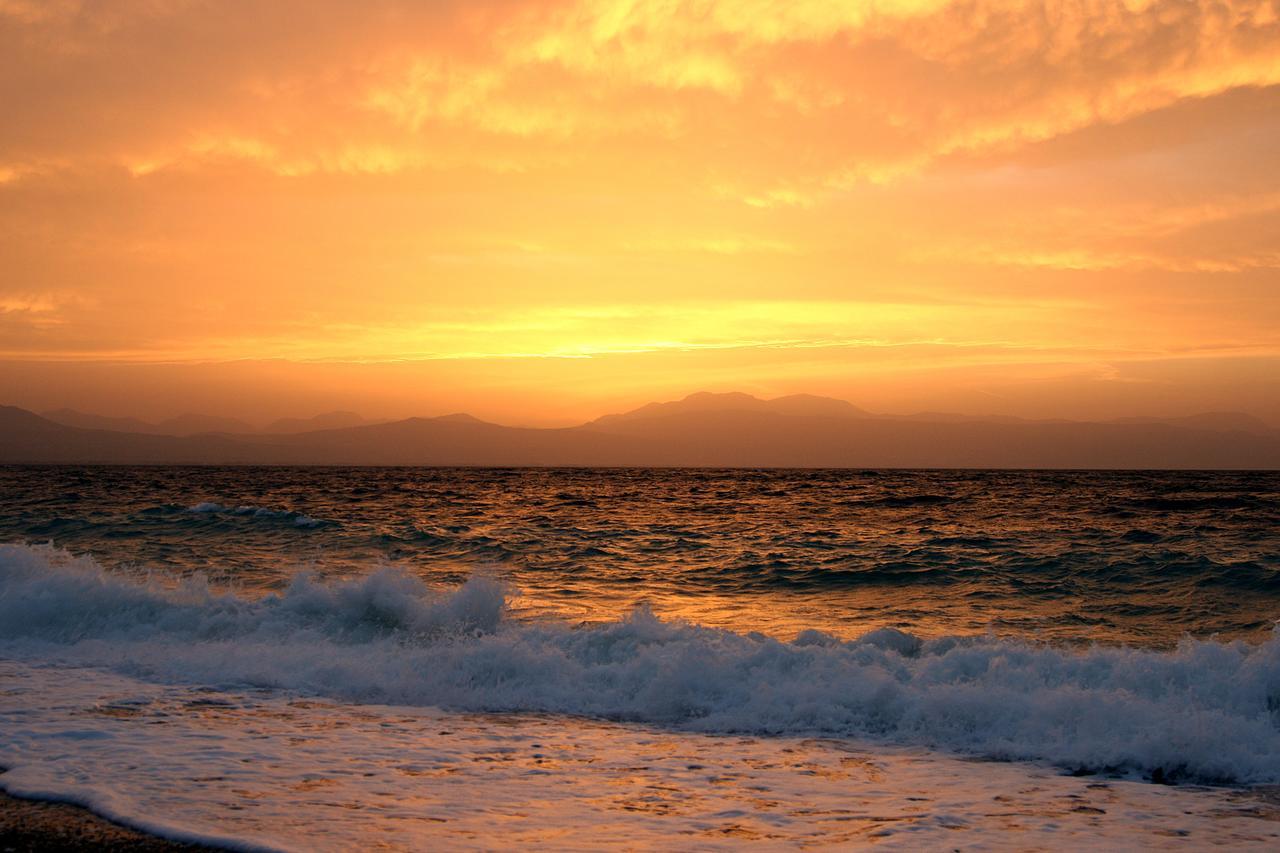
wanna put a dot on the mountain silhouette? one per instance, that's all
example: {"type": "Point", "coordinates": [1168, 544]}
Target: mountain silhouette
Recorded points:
{"type": "Point", "coordinates": [328, 420]}
{"type": "Point", "coordinates": [185, 424]}
{"type": "Point", "coordinates": [702, 430]}
{"type": "Point", "coordinates": [1229, 421]}
{"type": "Point", "coordinates": [736, 401]}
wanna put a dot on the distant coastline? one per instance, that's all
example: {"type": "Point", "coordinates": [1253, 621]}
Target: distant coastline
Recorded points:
{"type": "Point", "coordinates": [701, 431]}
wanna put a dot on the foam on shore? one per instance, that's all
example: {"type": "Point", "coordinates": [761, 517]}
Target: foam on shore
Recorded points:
{"type": "Point", "coordinates": [1205, 711]}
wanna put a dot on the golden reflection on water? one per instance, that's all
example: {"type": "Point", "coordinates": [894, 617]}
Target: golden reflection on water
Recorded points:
{"type": "Point", "coordinates": [326, 775]}
{"type": "Point", "coordinates": [844, 614]}
{"type": "Point", "coordinates": [1115, 557]}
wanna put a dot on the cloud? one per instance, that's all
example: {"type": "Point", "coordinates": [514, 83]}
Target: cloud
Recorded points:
{"type": "Point", "coordinates": [727, 182]}
{"type": "Point", "coordinates": [866, 91]}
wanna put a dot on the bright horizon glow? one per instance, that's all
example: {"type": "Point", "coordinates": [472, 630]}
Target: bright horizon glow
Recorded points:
{"type": "Point", "coordinates": [545, 210]}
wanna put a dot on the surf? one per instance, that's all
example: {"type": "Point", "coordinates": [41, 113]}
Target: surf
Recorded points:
{"type": "Point", "coordinates": [1204, 711]}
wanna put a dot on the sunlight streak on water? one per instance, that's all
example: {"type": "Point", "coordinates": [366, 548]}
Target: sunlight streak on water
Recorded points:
{"type": "Point", "coordinates": [1140, 557]}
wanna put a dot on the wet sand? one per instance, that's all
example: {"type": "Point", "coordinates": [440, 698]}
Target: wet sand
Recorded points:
{"type": "Point", "coordinates": [32, 825]}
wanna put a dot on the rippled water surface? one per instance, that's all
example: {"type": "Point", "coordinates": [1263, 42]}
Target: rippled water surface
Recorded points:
{"type": "Point", "coordinates": [334, 658]}
{"type": "Point", "coordinates": [1140, 558]}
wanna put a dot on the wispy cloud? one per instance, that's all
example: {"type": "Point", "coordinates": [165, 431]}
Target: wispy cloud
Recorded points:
{"type": "Point", "coordinates": [762, 186]}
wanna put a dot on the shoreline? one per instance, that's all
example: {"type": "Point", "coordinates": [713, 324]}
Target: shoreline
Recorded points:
{"type": "Point", "coordinates": [28, 825]}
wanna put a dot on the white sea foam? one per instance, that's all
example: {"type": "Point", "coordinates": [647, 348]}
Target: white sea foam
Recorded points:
{"type": "Point", "coordinates": [254, 768]}
{"type": "Point", "coordinates": [1206, 710]}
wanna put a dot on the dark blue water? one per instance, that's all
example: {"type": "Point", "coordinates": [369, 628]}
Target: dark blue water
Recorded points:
{"type": "Point", "coordinates": [1140, 558]}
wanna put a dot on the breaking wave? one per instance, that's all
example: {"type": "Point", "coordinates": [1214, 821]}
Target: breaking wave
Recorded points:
{"type": "Point", "coordinates": [1206, 711]}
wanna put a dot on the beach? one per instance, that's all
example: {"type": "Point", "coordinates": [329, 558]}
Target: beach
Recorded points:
{"type": "Point", "coordinates": [643, 425]}
{"type": "Point", "coordinates": [310, 659]}
{"type": "Point", "coordinates": [28, 826]}
{"type": "Point", "coordinates": [261, 770]}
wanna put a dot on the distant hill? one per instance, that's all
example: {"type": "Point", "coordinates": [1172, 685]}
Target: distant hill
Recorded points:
{"type": "Point", "coordinates": [194, 424]}
{"type": "Point", "coordinates": [328, 420]}
{"type": "Point", "coordinates": [26, 437]}
{"type": "Point", "coordinates": [770, 440]}
{"type": "Point", "coordinates": [705, 401]}
{"type": "Point", "coordinates": [83, 420]}
{"type": "Point", "coordinates": [703, 430]}
{"type": "Point", "coordinates": [1221, 421]}
{"type": "Point", "coordinates": [198, 424]}
{"type": "Point", "coordinates": [450, 440]}
{"type": "Point", "coordinates": [188, 424]}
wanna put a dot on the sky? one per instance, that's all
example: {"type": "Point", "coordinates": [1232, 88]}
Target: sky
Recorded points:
{"type": "Point", "coordinates": [539, 211]}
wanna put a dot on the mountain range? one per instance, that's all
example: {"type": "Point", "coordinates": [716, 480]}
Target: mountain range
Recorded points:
{"type": "Point", "coordinates": [702, 430]}
{"type": "Point", "coordinates": [196, 424]}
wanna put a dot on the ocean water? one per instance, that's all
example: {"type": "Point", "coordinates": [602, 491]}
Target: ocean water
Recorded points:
{"type": "Point", "coordinates": [415, 657]}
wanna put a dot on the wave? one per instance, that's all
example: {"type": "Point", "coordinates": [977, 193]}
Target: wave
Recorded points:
{"type": "Point", "coordinates": [1200, 503]}
{"type": "Point", "coordinates": [297, 519]}
{"type": "Point", "coordinates": [904, 501]}
{"type": "Point", "coordinates": [1206, 711]}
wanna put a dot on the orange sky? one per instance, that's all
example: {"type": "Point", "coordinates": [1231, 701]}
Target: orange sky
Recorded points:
{"type": "Point", "coordinates": [539, 211]}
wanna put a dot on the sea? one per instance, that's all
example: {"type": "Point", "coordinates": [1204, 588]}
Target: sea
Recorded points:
{"type": "Point", "coordinates": [433, 658]}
